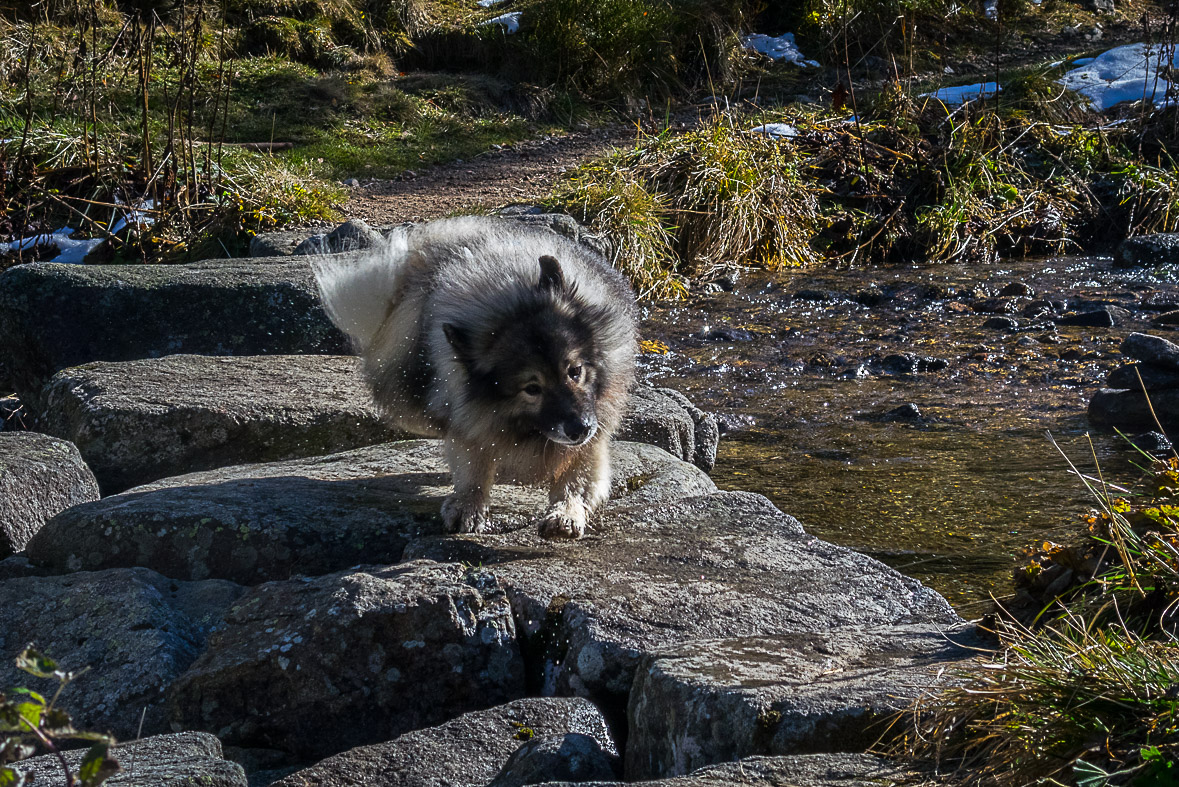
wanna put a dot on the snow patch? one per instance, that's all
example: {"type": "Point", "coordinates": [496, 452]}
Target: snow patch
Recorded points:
{"type": "Point", "coordinates": [1125, 73]}
{"type": "Point", "coordinates": [489, 3]}
{"type": "Point", "coordinates": [960, 94]}
{"type": "Point", "coordinates": [136, 216]}
{"type": "Point", "coordinates": [776, 130]}
{"type": "Point", "coordinates": [69, 251]}
{"type": "Point", "coordinates": [780, 48]}
{"type": "Point", "coordinates": [510, 21]}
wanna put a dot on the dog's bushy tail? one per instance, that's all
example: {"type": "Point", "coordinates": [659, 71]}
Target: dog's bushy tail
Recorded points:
{"type": "Point", "coordinates": [358, 294]}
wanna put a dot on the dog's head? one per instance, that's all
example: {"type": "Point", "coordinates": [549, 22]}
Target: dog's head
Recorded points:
{"type": "Point", "coordinates": [536, 369]}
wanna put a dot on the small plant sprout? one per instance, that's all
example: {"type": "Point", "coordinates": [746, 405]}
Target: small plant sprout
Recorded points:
{"type": "Point", "coordinates": [29, 722]}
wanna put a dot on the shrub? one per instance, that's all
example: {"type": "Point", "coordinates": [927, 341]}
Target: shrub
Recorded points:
{"type": "Point", "coordinates": [635, 48]}
{"type": "Point", "coordinates": [29, 722]}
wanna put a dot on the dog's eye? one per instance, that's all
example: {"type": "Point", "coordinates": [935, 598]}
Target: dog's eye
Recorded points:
{"type": "Point", "coordinates": [574, 373]}
{"type": "Point", "coordinates": [532, 389]}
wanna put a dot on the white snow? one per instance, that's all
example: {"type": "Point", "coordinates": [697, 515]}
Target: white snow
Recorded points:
{"type": "Point", "coordinates": [73, 252]}
{"type": "Point", "coordinates": [489, 3]}
{"type": "Point", "coordinates": [136, 216]}
{"type": "Point", "coordinates": [70, 251]}
{"type": "Point", "coordinates": [1125, 73]}
{"type": "Point", "coordinates": [780, 48]}
{"type": "Point", "coordinates": [776, 130]}
{"type": "Point", "coordinates": [960, 94]}
{"type": "Point", "coordinates": [510, 21]}
{"type": "Point", "coordinates": [1080, 61]}
{"type": "Point", "coordinates": [991, 9]}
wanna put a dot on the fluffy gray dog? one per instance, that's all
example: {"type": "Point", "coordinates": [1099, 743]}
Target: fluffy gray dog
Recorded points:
{"type": "Point", "coordinates": [513, 344]}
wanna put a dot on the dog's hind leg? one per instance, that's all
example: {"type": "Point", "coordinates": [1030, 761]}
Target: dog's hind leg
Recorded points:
{"type": "Point", "coordinates": [473, 472]}
{"type": "Point", "coordinates": [576, 491]}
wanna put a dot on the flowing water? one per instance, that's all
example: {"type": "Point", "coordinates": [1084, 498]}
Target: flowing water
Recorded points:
{"type": "Point", "coordinates": [803, 369]}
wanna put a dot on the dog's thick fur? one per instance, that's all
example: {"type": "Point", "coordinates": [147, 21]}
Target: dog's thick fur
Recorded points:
{"type": "Point", "coordinates": [513, 344]}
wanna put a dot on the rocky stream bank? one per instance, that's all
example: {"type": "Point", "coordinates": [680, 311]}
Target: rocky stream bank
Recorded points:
{"type": "Point", "coordinates": [210, 515]}
{"type": "Point", "coordinates": [211, 518]}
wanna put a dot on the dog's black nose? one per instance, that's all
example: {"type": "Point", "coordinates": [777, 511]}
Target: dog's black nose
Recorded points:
{"type": "Point", "coordinates": [576, 429]}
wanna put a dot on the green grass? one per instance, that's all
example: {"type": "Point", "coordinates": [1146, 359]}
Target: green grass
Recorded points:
{"type": "Point", "coordinates": [1070, 703]}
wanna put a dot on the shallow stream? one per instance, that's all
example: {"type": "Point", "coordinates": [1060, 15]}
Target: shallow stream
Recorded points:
{"type": "Point", "coordinates": [804, 367]}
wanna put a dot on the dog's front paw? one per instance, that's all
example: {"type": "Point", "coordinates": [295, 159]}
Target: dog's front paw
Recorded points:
{"type": "Point", "coordinates": [563, 520]}
{"type": "Point", "coordinates": [460, 515]}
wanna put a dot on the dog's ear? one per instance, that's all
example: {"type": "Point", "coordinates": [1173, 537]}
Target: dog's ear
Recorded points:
{"type": "Point", "coordinates": [551, 277]}
{"type": "Point", "coordinates": [458, 338]}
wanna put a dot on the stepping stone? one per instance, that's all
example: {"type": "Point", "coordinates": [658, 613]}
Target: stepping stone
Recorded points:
{"type": "Point", "coordinates": [54, 316]}
{"type": "Point", "coordinates": [253, 523]}
{"type": "Point", "coordinates": [39, 477]}
{"type": "Point", "coordinates": [135, 630]}
{"type": "Point", "coordinates": [139, 421]}
{"type": "Point", "coordinates": [803, 770]}
{"type": "Point", "coordinates": [182, 759]}
{"type": "Point", "coordinates": [466, 752]}
{"type": "Point", "coordinates": [570, 757]}
{"type": "Point", "coordinates": [317, 666]}
{"type": "Point", "coordinates": [680, 570]}
{"type": "Point", "coordinates": [780, 694]}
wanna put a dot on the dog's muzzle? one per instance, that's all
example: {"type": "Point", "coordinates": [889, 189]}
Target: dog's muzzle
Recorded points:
{"type": "Point", "coordinates": [574, 431]}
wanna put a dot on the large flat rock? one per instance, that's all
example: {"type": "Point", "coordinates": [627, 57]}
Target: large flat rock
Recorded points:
{"type": "Point", "coordinates": [54, 316]}
{"type": "Point", "coordinates": [186, 759]}
{"type": "Point", "coordinates": [40, 476]}
{"type": "Point", "coordinates": [316, 666]}
{"type": "Point", "coordinates": [135, 630]}
{"type": "Point", "coordinates": [466, 752]}
{"type": "Point", "coordinates": [804, 770]}
{"type": "Point", "coordinates": [713, 701]}
{"type": "Point", "coordinates": [139, 421]}
{"type": "Point", "coordinates": [678, 570]}
{"type": "Point", "coordinates": [254, 523]}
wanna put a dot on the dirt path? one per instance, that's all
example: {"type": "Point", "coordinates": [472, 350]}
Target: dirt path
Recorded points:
{"type": "Point", "coordinates": [513, 174]}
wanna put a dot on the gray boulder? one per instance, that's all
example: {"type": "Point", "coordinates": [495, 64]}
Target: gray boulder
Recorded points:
{"type": "Point", "coordinates": [706, 702]}
{"type": "Point", "coordinates": [254, 523]}
{"type": "Point", "coordinates": [804, 770]}
{"type": "Point", "coordinates": [281, 243]}
{"type": "Point", "coordinates": [316, 666]}
{"type": "Point", "coordinates": [55, 316]}
{"type": "Point", "coordinates": [465, 752]}
{"type": "Point", "coordinates": [39, 477]}
{"type": "Point", "coordinates": [186, 759]}
{"type": "Point", "coordinates": [677, 570]}
{"type": "Point", "coordinates": [1160, 248]}
{"type": "Point", "coordinates": [135, 630]}
{"type": "Point", "coordinates": [352, 235]}
{"type": "Point", "coordinates": [1130, 409]}
{"type": "Point", "coordinates": [572, 757]}
{"type": "Point", "coordinates": [1137, 375]}
{"type": "Point", "coordinates": [666, 418]}
{"type": "Point", "coordinates": [139, 421]}
{"type": "Point", "coordinates": [561, 224]}
{"type": "Point", "coordinates": [1153, 350]}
